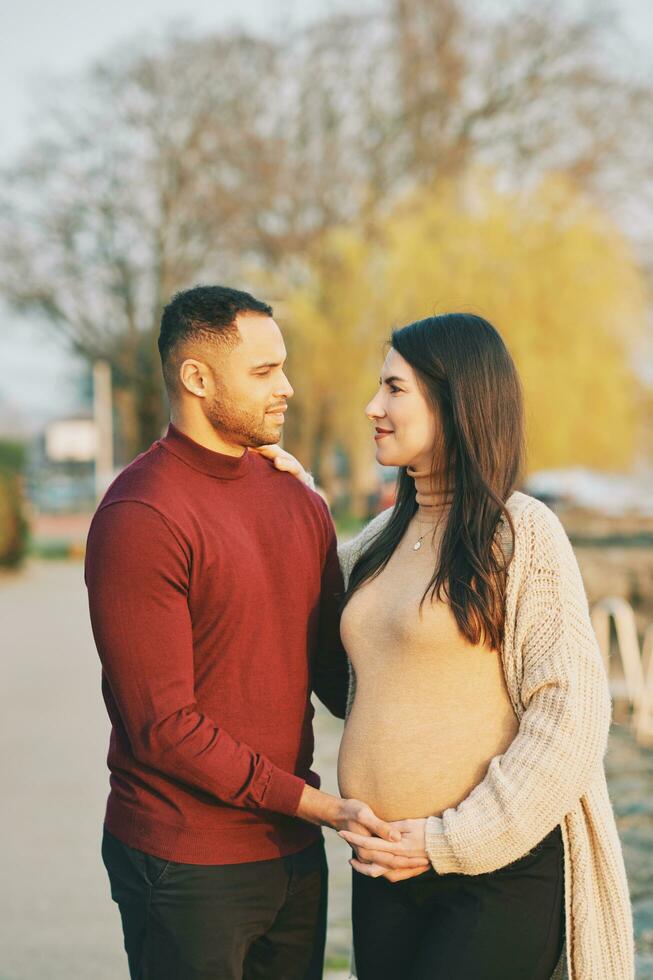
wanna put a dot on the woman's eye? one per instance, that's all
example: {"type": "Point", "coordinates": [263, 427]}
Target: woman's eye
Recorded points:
{"type": "Point", "coordinates": [394, 389]}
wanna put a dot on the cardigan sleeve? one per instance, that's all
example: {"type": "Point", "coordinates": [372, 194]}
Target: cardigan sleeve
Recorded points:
{"type": "Point", "coordinates": [563, 731]}
{"type": "Point", "coordinates": [350, 551]}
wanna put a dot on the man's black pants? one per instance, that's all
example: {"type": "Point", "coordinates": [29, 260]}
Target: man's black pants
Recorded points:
{"type": "Point", "coordinates": [264, 920]}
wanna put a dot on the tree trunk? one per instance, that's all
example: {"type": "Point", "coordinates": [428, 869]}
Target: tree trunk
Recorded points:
{"type": "Point", "coordinates": [128, 432]}
{"type": "Point", "coordinates": [362, 478]}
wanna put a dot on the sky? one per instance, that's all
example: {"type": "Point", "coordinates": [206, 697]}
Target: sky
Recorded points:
{"type": "Point", "coordinates": [38, 381]}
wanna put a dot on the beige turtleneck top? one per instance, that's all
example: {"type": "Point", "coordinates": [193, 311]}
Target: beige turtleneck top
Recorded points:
{"type": "Point", "coordinates": [431, 709]}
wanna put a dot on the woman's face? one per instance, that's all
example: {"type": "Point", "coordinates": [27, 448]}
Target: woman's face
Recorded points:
{"type": "Point", "coordinates": [405, 428]}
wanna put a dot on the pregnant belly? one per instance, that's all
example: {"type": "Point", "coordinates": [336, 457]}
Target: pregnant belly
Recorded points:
{"type": "Point", "coordinates": [407, 767]}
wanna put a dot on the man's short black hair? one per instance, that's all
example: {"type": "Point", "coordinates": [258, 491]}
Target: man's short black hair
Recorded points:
{"type": "Point", "coordinates": [200, 315]}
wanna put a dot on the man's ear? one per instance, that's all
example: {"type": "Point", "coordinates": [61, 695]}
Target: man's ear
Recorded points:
{"type": "Point", "coordinates": [194, 375]}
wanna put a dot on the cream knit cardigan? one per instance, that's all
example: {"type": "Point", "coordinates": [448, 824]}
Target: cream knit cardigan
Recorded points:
{"type": "Point", "coordinates": [552, 773]}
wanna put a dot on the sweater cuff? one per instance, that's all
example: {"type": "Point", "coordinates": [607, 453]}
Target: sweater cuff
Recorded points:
{"type": "Point", "coordinates": [438, 848]}
{"type": "Point", "coordinates": [283, 792]}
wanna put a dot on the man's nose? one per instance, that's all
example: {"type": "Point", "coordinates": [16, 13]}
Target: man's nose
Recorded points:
{"type": "Point", "coordinates": [286, 389]}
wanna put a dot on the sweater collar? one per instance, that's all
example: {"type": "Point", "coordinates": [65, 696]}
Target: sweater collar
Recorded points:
{"type": "Point", "coordinates": [432, 503]}
{"type": "Point", "coordinates": [205, 460]}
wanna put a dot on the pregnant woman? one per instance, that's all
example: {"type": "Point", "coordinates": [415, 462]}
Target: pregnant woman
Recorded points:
{"type": "Point", "coordinates": [479, 708]}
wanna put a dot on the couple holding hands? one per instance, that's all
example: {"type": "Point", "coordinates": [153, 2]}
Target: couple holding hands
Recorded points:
{"type": "Point", "coordinates": [452, 634]}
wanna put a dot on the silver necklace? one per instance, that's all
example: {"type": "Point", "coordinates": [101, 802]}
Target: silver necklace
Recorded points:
{"type": "Point", "coordinates": [418, 543]}
{"type": "Point", "coordinates": [432, 529]}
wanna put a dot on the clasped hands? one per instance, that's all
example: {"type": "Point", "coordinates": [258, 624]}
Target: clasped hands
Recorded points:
{"type": "Point", "coordinates": [394, 850]}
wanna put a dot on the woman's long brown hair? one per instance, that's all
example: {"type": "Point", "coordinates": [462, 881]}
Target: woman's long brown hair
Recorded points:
{"type": "Point", "coordinates": [470, 380]}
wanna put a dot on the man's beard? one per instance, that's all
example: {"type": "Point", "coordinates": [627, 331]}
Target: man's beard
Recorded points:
{"type": "Point", "coordinates": [246, 428]}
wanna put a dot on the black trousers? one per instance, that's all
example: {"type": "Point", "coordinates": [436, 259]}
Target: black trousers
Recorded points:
{"type": "Point", "coordinates": [504, 925]}
{"type": "Point", "coordinates": [264, 920]}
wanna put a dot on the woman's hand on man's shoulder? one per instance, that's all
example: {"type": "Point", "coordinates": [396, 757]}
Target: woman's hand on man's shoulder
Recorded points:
{"type": "Point", "coordinates": [287, 463]}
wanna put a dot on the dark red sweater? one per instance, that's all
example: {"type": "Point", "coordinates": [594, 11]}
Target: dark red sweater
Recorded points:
{"type": "Point", "coordinates": [212, 586]}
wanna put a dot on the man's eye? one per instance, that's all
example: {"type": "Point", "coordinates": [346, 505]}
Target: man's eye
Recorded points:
{"type": "Point", "coordinates": [262, 374]}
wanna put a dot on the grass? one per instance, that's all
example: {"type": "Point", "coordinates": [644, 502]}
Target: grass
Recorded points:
{"type": "Point", "coordinates": [336, 963]}
{"type": "Point", "coordinates": [54, 549]}
{"type": "Point", "coordinates": [348, 526]}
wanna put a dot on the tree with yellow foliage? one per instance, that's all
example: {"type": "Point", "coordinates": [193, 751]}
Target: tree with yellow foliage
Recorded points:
{"type": "Point", "coordinates": [544, 265]}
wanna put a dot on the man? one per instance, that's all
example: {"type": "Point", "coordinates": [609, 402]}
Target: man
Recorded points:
{"type": "Point", "coordinates": [213, 581]}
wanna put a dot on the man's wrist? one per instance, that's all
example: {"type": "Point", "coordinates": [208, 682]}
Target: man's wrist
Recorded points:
{"type": "Point", "coordinates": [318, 807]}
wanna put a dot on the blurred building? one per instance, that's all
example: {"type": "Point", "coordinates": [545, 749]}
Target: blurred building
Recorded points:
{"type": "Point", "coordinates": [611, 494]}
{"type": "Point", "coordinates": [61, 466]}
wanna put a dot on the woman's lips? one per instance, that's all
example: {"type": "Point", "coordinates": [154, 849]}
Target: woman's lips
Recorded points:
{"type": "Point", "coordinates": [382, 433]}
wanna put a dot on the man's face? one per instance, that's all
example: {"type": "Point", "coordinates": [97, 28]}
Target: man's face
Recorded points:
{"type": "Point", "coordinates": [250, 391]}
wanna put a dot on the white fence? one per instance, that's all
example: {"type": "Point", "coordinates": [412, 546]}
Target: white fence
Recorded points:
{"type": "Point", "coordinates": [631, 677]}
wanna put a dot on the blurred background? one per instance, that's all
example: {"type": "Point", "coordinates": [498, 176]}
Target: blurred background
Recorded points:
{"type": "Point", "coordinates": [358, 170]}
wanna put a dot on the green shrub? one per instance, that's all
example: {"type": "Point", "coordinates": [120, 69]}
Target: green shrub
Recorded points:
{"type": "Point", "coordinates": [13, 523]}
{"type": "Point", "coordinates": [12, 456]}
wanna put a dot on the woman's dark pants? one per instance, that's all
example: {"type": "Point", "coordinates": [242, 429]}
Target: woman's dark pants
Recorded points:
{"type": "Point", "coordinates": [504, 925]}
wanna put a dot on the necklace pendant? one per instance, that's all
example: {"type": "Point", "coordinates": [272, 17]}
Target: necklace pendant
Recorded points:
{"type": "Point", "coordinates": [417, 545]}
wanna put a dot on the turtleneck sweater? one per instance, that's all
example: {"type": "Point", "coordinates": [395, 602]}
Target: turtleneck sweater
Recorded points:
{"type": "Point", "coordinates": [431, 498]}
{"type": "Point", "coordinates": [433, 503]}
{"type": "Point", "coordinates": [213, 585]}
{"type": "Point", "coordinates": [431, 709]}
